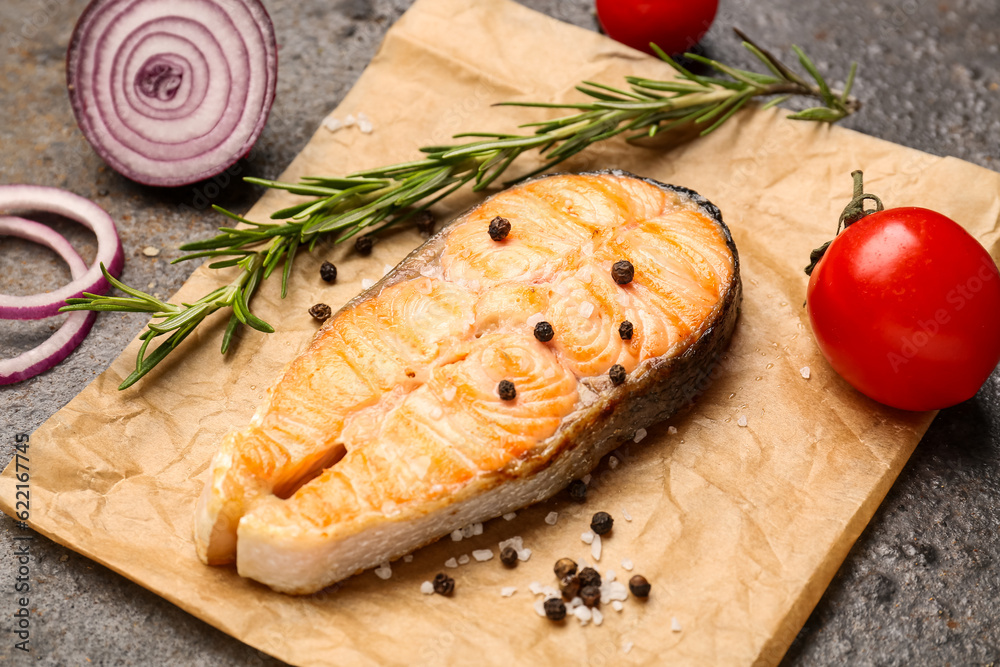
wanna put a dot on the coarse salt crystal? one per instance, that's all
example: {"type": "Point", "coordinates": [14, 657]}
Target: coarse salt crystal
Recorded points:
{"type": "Point", "coordinates": [366, 283]}
{"type": "Point", "coordinates": [610, 575]}
{"type": "Point", "coordinates": [535, 588]}
{"type": "Point", "coordinates": [617, 605]}
{"type": "Point", "coordinates": [627, 564]}
{"type": "Point", "coordinates": [588, 537]}
{"type": "Point", "coordinates": [427, 588]}
{"type": "Point", "coordinates": [408, 558]}
{"type": "Point", "coordinates": [805, 372]}
{"type": "Point", "coordinates": [585, 479]}
{"type": "Point", "coordinates": [575, 602]}
{"type": "Point", "coordinates": [612, 462]}
{"type": "Point", "coordinates": [509, 516]}
{"type": "Point", "coordinates": [742, 421]}
{"type": "Point", "coordinates": [617, 591]}
{"type": "Point", "coordinates": [507, 591]}
{"type": "Point", "coordinates": [332, 123]}
{"type": "Point", "coordinates": [456, 536]}
{"type": "Point", "coordinates": [551, 518]}
{"type": "Point", "coordinates": [386, 269]}
{"type": "Point", "coordinates": [534, 319]}
{"type": "Point", "coordinates": [628, 517]}
{"type": "Point", "coordinates": [595, 547]}
{"type": "Point", "coordinates": [524, 554]}
{"type": "Point", "coordinates": [627, 646]}
{"type": "Point", "coordinates": [517, 544]}
{"type": "Point", "coordinates": [448, 393]}
{"type": "Point", "coordinates": [464, 559]}
{"type": "Point", "coordinates": [597, 616]}
{"type": "Point", "coordinates": [639, 435]}
{"type": "Point", "coordinates": [540, 607]}
{"type": "Point", "coordinates": [482, 555]}
{"type": "Point", "coordinates": [467, 531]}
{"type": "Point", "coordinates": [671, 430]}
{"type": "Point", "coordinates": [583, 613]}
{"type": "Point", "coordinates": [586, 309]}
{"type": "Point", "coordinates": [477, 529]}
{"type": "Point", "coordinates": [675, 625]}
{"type": "Point", "coordinates": [451, 562]}
{"type": "Point", "coordinates": [383, 571]}
{"type": "Point", "coordinates": [349, 121]}
{"type": "Point", "coordinates": [364, 124]}
{"type": "Point", "coordinates": [436, 413]}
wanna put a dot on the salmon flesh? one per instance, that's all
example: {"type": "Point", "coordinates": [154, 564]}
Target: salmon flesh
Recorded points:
{"type": "Point", "coordinates": [390, 430]}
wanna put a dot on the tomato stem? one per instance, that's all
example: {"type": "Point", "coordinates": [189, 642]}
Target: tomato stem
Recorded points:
{"type": "Point", "coordinates": [853, 212]}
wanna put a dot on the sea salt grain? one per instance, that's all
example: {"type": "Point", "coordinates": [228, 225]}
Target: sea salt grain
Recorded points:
{"type": "Point", "coordinates": [639, 435]}
{"type": "Point", "coordinates": [449, 393]}
{"type": "Point", "coordinates": [627, 646]}
{"type": "Point", "coordinates": [477, 529]}
{"type": "Point", "coordinates": [510, 516]}
{"type": "Point", "coordinates": [628, 517]}
{"type": "Point", "coordinates": [507, 591]}
{"type": "Point", "coordinates": [551, 518]}
{"type": "Point", "coordinates": [333, 124]}
{"type": "Point", "coordinates": [588, 537]}
{"type": "Point", "coordinates": [482, 555]}
{"type": "Point", "coordinates": [464, 559]}
{"type": "Point", "coordinates": [597, 616]}
{"type": "Point", "coordinates": [584, 614]}
{"type": "Point", "coordinates": [612, 462]}
{"type": "Point", "coordinates": [585, 479]}
{"type": "Point", "coordinates": [742, 421]}
{"type": "Point", "coordinates": [671, 430]}
{"type": "Point", "coordinates": [366, 283]}
{"type": "Point", "coordinates": [427, 588]}
{"type": "Point", "coordinates": [595, 547]}
{"type": "Point", "coordinates": [451, 562]}
{"type": "Point", "coordinates": [617, 605]}
{"type": "Point", "coordinates": [349, 121]}
{"type": "Point", "coordinates": [383, 571]}
{"type": "Point", "coordinates": [617, 591]}
{"type": "Point", "coordinates": [364, 124]}
{"type": "Point", "coordinates": [627, 564]}
{"type": "Point", "coordinates": [540, 607]}
{"type": "Point", "coordinates": [408, 558]}
{"type": "Point", "coordinates": [804, 371]}
{"type": "Point", "coordinates": [675, 625]}
{"type": "Point", "coordinates": [456, 536]}
{"type": "Point", "coordinates": [586, 309]}
{"type": "Point", "coordinates": [609, 576]}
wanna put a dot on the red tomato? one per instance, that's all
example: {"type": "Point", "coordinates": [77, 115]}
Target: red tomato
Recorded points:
{"type": "Point", "coordinates": [905, 305]}
{"type": "Point", "coordinates": [674, 25]}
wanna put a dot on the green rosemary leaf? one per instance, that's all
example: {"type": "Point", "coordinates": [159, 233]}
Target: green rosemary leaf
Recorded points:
{"type": "Point", "coordinates": [814, 72]}
{"type": "Point", "coordinates": [776, 101]}
{"type": "Point", "coordinates": [822, 114]}
{"type": "Point", "coordinates": [726, 116]}
{"type": "Point", "coordinates": [293, 246]}
{"type": "Point", "coordinates": [850, 83]}
{"type": "Point", "coordinates": [231, 327]}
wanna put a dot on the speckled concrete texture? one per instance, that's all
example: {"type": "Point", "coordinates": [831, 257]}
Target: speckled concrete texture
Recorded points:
{"type": "Point", "coordinates": [919, 588]}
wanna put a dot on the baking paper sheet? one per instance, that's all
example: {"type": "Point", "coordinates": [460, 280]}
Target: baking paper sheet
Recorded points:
{"type": "Point", "coordinates": [739, 529]}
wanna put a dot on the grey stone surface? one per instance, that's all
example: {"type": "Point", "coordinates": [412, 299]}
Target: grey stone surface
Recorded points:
{"type": "Point", "coordinates": [918, 588]}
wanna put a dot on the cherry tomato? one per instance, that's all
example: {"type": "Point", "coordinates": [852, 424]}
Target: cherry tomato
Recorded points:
{"type": "Point", "coordinates": [905, 305]}
{"type": "Point", "coordinates": [673, 25]}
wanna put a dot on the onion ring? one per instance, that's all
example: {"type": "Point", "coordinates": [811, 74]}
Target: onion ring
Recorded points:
{"type": "Point", "coordinates": [74, 329]}
{"type": "Point", "coordinates": [171, 92]}
{"type": "Point", "coordinates": [87, 213]}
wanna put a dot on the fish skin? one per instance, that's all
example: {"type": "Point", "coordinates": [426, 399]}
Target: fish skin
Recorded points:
{"type": "Point", "coordinates": [274, 547]}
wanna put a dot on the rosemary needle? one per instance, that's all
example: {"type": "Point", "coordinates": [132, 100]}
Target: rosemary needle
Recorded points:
{"type": "Point", "coordinates": [341, 207]}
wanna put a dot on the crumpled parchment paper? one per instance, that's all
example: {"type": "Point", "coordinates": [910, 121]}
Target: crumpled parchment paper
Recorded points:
{"type": "Point", "coordinates": [739, 529]}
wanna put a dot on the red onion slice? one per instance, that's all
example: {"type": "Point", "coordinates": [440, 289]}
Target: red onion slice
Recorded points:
{"type": "Point", "coordinates": [76, 326]}
{"type": "Point", "coordinates": [87, 213]}
{"type": "Point", "coordinates": [170, 92]}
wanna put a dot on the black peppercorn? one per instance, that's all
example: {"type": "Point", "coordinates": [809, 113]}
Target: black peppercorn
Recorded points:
{"type": "Point", "coordinates": [565, 567]}
{"type": "Point", "coordinates": [617, 374]}
{"type": "Point", "coordinates": [544, 332]}
{"type": "Point", "coordinates": [328, 272]}
{"type": "Point", "coordinates": [443, 584]}
{"type": "Point", "coordinates": [555, 609]}
{"type": "Point", "coordinates": [570, 587]}
{"type": "Point", "coordinates": [425, 222]}
{"type": "Point", "coordinates": [499, 228]}
{"type": "Point", "coordinates": [623, 272]}
{"type": "Point", "coordinates": [589, 577]}
{"type": "Point", "coordinates": [602, 523]}
{"type": "Point", "coordinates": [509, 557]}
{"type": "Point", "coordinates": [625, 330]}
{"type": "Point", "coordinates": [591, 595]}
{"type": "Point", "coordinates": [363, 245]}
{"type": "Point", "coordinates": [639, 586]}
{"type": "Point", "coordinates": [507, 390]}
{"type": "Point", "coordinates": [578, 490]}
{"type": "Point", "coordinates": [321, 312]}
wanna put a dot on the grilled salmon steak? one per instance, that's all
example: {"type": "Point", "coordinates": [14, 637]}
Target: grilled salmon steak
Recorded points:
{"type": "Point", "coordinates": [483, 374]}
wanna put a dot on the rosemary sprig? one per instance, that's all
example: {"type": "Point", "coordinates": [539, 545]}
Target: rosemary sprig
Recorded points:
{"type": "Point", "coordinates": [341, 207]}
